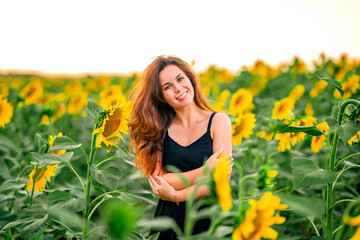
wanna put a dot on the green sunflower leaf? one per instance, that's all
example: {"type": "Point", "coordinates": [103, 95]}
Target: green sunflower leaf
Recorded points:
{"type": "Point", "coordinates": [29, 219]}
{"type": "Point", "coordinates": [65, 200]}
{"type": "Point", "coordinates": [39, 234]}
{"type": "Point", "coordinates": [333, 124]}
{"type": "Point", "coordinates": [110, 177]}
{"type": "Point", "coordinates": [306, 173]}
{"type": "Point", "coordinates": [332, 82]}
{"type": "Point", "coordinates": [51, 159]}
{"type": "Point", "coordinates": [92, 109]}
{"type": "Point", "coordinates": [304, 206]}
{"type": "Point", "coordinates": [63, 143]}
{"type": "Point", "coordinates": [311, 130]}
{"type": "Point", "coordinates": [349, 130]}
{"type": "Point", "coordinates": [161, 223]}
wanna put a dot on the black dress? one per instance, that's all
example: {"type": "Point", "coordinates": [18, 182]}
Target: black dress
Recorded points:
{"type": "Point", "coordinates": [185, 159]}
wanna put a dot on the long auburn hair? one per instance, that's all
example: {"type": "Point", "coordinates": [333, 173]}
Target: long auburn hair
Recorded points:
{"type": "Point", "coordinates": [151, 115]}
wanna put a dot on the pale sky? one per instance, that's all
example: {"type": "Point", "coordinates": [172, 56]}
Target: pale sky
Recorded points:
{"type": "Point", "coordinates": [82, 36]}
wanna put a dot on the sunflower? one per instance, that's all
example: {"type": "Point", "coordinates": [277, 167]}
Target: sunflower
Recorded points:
{"type": "Point", "coordinates": [220, 176]}
{"type": "Point", "coordinates": [221, 100]}
{"type": "Point", "coordinates": [284, 142]}
{"type": "Point", "coordinates": [114, 122]}
{"type": "Point", "coordinates": [4, 90]}
{"type": "Point", "coordinates": [283, 108]}
{"type": "Point", "coordinates": [111, 96]}
{"type": "Point", "coordinates": [297, 92]}
{"type": "Point", "coordinates": [265, 176]}
{"type": "Point", "coordinates": [353, 221]}
{"type": "Point", "coordinates": [354, 139]}
{"type": "Point", "coordinates": [73, 88]}
{"type": "Point", "coordinates": [319, 142]}
{"type": "Point", "coordinates": [77, 104]}
{"type": "Point", "coordinates": [51, 143]}
{"type": "Point", "coordinates": [299, 136]}
{"type": "Point", "coordinates": [318, 88]}
{"type": "Point", "coordinates": [59, 109]}
{"type": "Point", "coordinates": [243, 127]}
{"type": "Point", "coordinates": [349, 87]}
{"type": "Point", "coordinates": [6, 111]}
{"type": "Point", "coordinates": [265, 135]}
{"type": "Point", "coordinates": [93, 85]}
{"type": "Point", "coordinates": [258, 84]}
{"type": "Point", "coordinates": [241, 101]}
{"type": "Point", "coordinates": [309, 110]}
{"type": "Point", "coordinates": [259, 219]}
{"type": "Point", "coordinates": [42, 175]}
{"type": "Point", "coordinates": [32, 92]}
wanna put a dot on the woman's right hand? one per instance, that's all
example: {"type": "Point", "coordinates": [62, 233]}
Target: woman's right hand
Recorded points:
{"type": "Point", "coordinates": [213, 159]}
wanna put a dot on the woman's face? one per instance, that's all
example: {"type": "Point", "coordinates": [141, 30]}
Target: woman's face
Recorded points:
{"type": "Point", "coordinates": [176, 87]}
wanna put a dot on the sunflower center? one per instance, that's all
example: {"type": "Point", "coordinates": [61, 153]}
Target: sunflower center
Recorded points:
{"type": "Point", "coordinates": [239, 128]}
{"type": "Point", "coordinates": [30, 91]}
{"type": "Point", "coordinates": [281, 108]}
{"type": "Point", "coordinates": [113, 124]}
{"type": "Point", "coordinates": [239, 99]}
{"type": "Point", "coordinates": [40, 171]}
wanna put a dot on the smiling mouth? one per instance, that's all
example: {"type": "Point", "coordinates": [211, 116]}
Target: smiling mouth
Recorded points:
{"type": "Point", "coordinates": [182, 96]}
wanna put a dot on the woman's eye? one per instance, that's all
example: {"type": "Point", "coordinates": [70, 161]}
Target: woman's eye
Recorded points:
{"type": "Point", "coordinates": [180, 79]}
{"type": "Point", "coordinates": [167, 87]}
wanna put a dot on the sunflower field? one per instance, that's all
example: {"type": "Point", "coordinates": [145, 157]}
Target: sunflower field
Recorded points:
{"type": "Point", "coordinates": [67, 166]}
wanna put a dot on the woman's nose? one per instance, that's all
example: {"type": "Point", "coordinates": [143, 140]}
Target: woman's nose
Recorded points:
{"type": "Point", "coordinates": [177, 88]}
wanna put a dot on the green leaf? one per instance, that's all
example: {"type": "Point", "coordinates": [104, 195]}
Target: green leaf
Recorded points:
{"type": "Point", "coordinates": [351, 165]}
{"type": "Point", "coordinates": [154, 236]}
{"type": "Point", "coordinates": [306, 173]}
{"type": "Point", "coordinates": [349, 130]}
{"type": "Point", "coordinates": [29, 219]}
{"type": "Point", "coordinates": [66, 201]}
{"type": "Point", "coordinates": [92, 109]}
{"type": "Point", "coordinates": [303, 206]}
{"type": "Point", "coordinates": [161, 223]}
{"type": "Point", "coordinates": [39, 140]}
{"type": "Point", "coordinates": [333, 83]}
{"type": "Point", "coordinates": [333, 124]}
{"type": "Point", "coordinates": [51, 159]}
{"type": "Point", "coordinates": [109, 177]}
{"type": "Point", "coordinates": [39, 234]}
{"type": "Point", "coordinates": [318, 238]}
{"type": "Point", "coordinates": [63, 143]}
{"type": "Point", "coordinates": [311, 130]}
{"type": "Point", "coordinates": [5, 198]}
{"type": "Point", "coordinates": [11, 185]}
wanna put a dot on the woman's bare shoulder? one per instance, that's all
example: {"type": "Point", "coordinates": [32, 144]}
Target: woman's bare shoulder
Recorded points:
{"type": "Point", "coordinates": [221, 118]}
{"type": "Point", "coordinates": [220, 122]}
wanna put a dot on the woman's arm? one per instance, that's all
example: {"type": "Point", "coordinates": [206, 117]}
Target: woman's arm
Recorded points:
{"type": "Point", "coordinates": [221, 134]}
{"type": "Point", "coordinates": [166, 192]}
{"type": "Point", "coordinates": [191, 176]}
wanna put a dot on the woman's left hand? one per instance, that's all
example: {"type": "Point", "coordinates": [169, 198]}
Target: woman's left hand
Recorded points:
{"type": "Point", "coordinates": [162, 189]}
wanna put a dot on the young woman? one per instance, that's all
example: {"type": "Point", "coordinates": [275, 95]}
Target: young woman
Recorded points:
{"type": "Point", "coordinates": [173, 124]}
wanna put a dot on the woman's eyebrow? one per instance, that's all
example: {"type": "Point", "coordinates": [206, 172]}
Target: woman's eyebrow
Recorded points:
{"type": "Point", "coordinates": [169, 82]}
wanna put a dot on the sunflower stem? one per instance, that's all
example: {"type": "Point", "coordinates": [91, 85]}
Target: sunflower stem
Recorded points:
{"type": "Point", "coordinates": [342, 160]}
{"type": "Point", "coordinates": [88, 187]}
{"type": "Point", "coordinates": [331, 167]}
{"type": "Point", "coordinates": [51, 127]}
{"type": "Point", "coordinates": [77, 175]}
{"type": "Point", "coordinates": [104, 194]}
{"type": "Point", "coordinates": [64, 225]}
{"type": "Point", "coordinates": [33, 186]}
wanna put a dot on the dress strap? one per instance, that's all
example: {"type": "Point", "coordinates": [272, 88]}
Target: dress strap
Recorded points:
{"type": "Point", "coordinates": [211, 117]}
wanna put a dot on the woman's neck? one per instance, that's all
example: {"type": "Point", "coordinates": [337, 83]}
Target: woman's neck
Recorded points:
{"type": "Point", "coordinates": [188, 117]}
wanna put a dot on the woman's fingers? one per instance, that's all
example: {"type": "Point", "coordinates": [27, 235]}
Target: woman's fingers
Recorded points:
{"type": "Point", "coordinates": [153, 185]}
